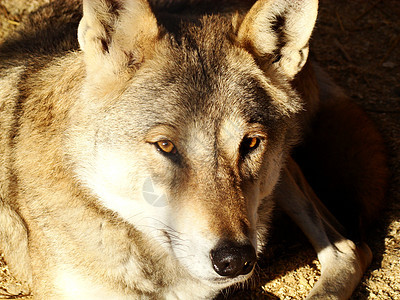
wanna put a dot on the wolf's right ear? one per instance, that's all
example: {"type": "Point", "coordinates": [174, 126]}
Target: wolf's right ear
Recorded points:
{"type": "Point", "coordinates": [116, 35]}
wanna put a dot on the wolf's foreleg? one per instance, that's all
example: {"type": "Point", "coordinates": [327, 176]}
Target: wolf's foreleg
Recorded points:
{"type": "Point", "coordinates": [343, 263]}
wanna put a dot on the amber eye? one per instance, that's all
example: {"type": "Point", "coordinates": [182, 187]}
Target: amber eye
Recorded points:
{"type": "Point", "coordinates": [253, 143]}
{"type": "Point", "coordinates": [166, 146]}
{"type": "Point", "coordinates": [249, 144]}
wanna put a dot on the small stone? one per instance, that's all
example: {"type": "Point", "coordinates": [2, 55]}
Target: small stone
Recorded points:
{"type": "Point", "coordinates": [389, 64]}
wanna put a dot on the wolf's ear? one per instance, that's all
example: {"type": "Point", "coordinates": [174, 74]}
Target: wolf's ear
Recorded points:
{"type": "Point", "coordinates": [116, 35]}
{"type": "Point", "coordinates": [277, 32]}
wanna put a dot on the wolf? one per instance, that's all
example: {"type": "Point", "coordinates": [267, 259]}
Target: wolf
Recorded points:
{"type": "Point", "coordinates": [145, 144]}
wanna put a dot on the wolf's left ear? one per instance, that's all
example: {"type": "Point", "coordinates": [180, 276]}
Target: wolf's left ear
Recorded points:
{"type": "Point", "coordinates": [277, 33]}
{"type": "Point", "coordinates": [116, 35]}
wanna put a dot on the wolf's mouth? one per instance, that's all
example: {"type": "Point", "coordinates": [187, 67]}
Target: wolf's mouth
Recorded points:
{"type": "Point", "coordinates": [225, 281]}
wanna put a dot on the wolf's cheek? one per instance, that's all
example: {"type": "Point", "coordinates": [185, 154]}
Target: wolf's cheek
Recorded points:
{"type": "Point", "coordinates": [270, 172]}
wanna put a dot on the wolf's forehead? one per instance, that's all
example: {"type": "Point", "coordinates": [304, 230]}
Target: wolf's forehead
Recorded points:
{"type": "Point", "coordinates": [197, 85]}
{"type": "Point", "coordinates": [203, 76]}
{"type": "Point", "coordinates": [204, 73]}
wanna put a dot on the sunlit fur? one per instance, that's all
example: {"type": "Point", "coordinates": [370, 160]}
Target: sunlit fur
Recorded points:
{"type": "Point", "coordinates": [79, 158]}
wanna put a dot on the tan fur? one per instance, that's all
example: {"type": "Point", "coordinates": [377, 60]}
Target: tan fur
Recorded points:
{"type": "Point", "coordinates": [80, 165]}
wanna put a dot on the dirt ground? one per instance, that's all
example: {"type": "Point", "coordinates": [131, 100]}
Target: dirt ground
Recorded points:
{"type": "Point", "coordinates": [358, 43]}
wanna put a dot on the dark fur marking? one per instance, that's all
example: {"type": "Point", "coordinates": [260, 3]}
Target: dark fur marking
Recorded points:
{"type": "Point", "coordinates": [113, 13]}
{"type": "Point", "coordinates": [278, 27]}
{"type": "Point", "coordinates": [104, 45]}
{"type": "Point", "coordinates": [114, 7]}
{"type": "Point", "coordinates": [13, 134]}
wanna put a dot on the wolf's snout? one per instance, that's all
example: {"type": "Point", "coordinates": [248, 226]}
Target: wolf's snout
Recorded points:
{"type": "Point", "coordinates": [232, 259]}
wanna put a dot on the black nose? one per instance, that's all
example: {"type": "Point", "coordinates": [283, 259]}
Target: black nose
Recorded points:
{"type": "Point", "coordinates": [232, 259]}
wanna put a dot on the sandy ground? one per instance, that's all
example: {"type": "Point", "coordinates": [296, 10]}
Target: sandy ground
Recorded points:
{"type": "Point", "coordinates": [358, 43]}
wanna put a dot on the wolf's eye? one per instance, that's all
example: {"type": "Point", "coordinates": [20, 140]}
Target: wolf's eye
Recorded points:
{"type": "Point", "coordinates": [253, 142]}
{"type": "Point", "coordinates": [249, 144]}
{"type": "Point", "coordinates": [166, 146]}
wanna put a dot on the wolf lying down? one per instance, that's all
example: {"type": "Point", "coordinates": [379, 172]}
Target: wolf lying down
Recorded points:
{"type": "Point", "coordinates": [198, 105]}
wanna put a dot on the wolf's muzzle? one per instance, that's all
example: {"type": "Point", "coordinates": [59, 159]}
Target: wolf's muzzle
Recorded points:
{"type": "Point", "coordinates": [232, 259]}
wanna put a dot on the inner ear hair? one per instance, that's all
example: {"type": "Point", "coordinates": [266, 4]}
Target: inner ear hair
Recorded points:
{"type": "Point", "coordinates": [277, 32]}
{"type": "Point", "coordinates": [116, 35]}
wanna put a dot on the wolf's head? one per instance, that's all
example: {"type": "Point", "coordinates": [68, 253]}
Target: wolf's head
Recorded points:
{"type": "Point", "coordinates": [185, 122]}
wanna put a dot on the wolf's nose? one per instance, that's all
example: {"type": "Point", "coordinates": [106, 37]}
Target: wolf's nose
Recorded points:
{"type": "Point", "coordinates": [232, 259]}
